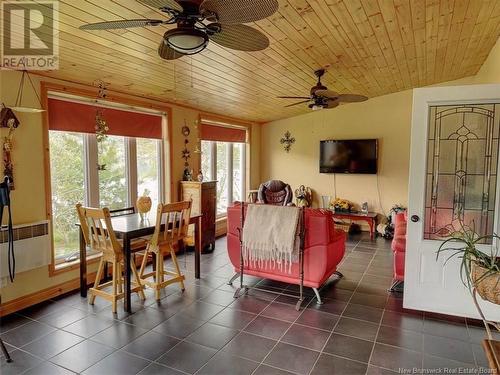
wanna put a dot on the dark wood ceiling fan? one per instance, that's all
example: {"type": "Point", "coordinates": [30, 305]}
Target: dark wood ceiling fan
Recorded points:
{"type": "Point", "coordinates": [198, 22]}
{"type": "Point", "coordinates": [322, 98]}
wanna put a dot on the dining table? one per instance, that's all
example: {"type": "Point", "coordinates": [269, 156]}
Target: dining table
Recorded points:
{"type": "Point", "coordinates": [130, 227]}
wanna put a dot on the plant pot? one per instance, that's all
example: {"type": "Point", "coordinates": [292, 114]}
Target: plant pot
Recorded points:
{"type": "Point", "coordinates": [487, 287]}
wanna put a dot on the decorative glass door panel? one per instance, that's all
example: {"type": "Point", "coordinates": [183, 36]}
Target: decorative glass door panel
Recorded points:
{"type": "Point", "coordinates": [461, 175]}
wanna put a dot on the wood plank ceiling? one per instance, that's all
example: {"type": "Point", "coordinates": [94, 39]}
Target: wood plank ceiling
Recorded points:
{"type": "Point", "coordinates": [369, 47]}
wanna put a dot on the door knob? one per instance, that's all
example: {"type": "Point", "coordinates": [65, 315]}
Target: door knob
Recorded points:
{"type": "Point", "coordinates": [415, 218]}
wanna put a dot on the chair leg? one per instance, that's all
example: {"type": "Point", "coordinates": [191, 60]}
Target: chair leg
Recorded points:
{"type": "Point", "coordinates": [158, 275]}
{"type": "Point", "coordinates": [143, 264]}
{"type": "Point", "coordinates": [119, 280]}
{"type": "Point", "coordinates": [231, 280]}
{"type": "Point", "coordinates": [138, 281]}
{"type": "Point", "coordinates": [176, 264]}
{"type": "Point", "coordinates": [115, 285]}
{"type": "Point", "coordinates": [97, 281]}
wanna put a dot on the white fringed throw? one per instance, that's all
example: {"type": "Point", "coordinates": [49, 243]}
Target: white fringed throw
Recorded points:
{"type": "Point", "coordinates": [270, 236]}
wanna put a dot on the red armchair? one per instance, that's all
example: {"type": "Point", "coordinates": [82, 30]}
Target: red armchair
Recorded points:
{"type": "Point", "coordinates": [399, 249]}
{"type": "Point", "coordinates": [324, 249]}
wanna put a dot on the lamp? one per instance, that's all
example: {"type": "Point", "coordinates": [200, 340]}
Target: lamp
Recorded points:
{"type": "Point", "coordinates": [187, 41]}
{"type": "Point", "coordinates": [18, 106]}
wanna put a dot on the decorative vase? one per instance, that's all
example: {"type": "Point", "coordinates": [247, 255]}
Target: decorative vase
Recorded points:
{"type": "Point", "coordinates": [200, 176]}
{"type": "Point", "coordinates": [144, 205]}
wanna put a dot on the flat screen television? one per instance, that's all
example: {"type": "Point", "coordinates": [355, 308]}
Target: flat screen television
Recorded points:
{"type": "Point", "coordinates": [348, 156]}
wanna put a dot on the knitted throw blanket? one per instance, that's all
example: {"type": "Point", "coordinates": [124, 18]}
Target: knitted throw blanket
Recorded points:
{"type": "Point", "coordinates": [271, 236]}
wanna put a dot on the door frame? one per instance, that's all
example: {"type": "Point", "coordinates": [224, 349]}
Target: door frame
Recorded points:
{"type": "Point", "coordinates": [423, 98]}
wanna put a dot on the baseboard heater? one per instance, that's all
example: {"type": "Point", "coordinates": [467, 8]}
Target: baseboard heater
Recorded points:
{"type": "Point", "coordinates": [31, 247]}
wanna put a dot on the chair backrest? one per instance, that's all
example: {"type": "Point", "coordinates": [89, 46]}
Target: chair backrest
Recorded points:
{"type": "Point", "coordinates": [175, 217]}
{"type": "Point", "coordinates": [275, 192]}
{"type": "Point", "coordinates": [122, 211]}
{"type": "Point", "coordinates": [97, 230]}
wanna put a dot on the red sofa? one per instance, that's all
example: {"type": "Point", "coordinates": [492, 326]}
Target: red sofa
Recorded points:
{"type": "Point", "coordinates": [398, 246]}
{"type": "Point", "coordinates": [324, 249]}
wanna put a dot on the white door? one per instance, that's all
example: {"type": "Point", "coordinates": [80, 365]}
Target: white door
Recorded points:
{"type": "Point", "coordinates": [453, 177]}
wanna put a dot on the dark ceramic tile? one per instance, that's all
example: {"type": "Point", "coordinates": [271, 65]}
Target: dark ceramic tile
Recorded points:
{"type": "Point", "coordinates": [402, 338]}
{"type": "Point", "coordinates": [394, 358]}
{"type": "Point", "coordinates": [456, 350]}
{"type": "Point", "coordinates": [331, 306]}
{"type": "Point", "coordinates": [21, 361]}
{"type": "Point", "coordinates": [178, 326]}
{"type": "Point", "coordinates": [82, 355]}
{"type": "Point", "coordinates": [148, 318]}
{"type": "Point", "coordinates": [118, 335]}
{"type": "Point", "coordinates": [212, 335]}
{"type": "Point", "coordinates": [357, 328]}
{"type": "Point", "coordinates": [219, 297]}
{"type": "Point", "coordinates": [172, 303]}
{"type": "Point", "coordinates": [47, 368]}
{"type": "Point", "coordinates": [369, 300]}
{"type": "Point", "coordinates": [157, 369]}
{"type": "Point", "coordinates": [225, 363]}
{"type": "Point", "coordinates": [403, 321]}
{"type": "Point", "coordinates": [446, 329]}
{"type": "Point", "coordinates": [187, 357]}
{"type": "Point", "coordinates": [367, 313]}
{"type": "Point", "coordinates": [151, 345]}
{"type": "Point", "coordinates": [306, 336]}
{"type": "Point", "coordinates": [267, 327]}
{"type": "Point", "coordinates": [373, 370]}
{"type": "Point", "coordinates": [231, 318]}
{"type": "Point", "coordinates": [202, 310]}
{"type": "Point", "coordinates": [52, 344]}
{"type": "Point", "coordinates": [318, 319]}
{"type": "Point", "coordinates": [333, 365]}
{"type": "Point", "coordinates": [349, 347]}
{"type": "Point", "coordinates": [26, 333]}
{"type": "Point", "coordinates": [40, 310]}
{"type": "Point", "coordinates": [292, 358]}
{"type": "Point", "coordinates": [63, 318]}
{"type": "Point", "coordinates": [89, 325]}
{"type": "Point", "coordinates": [250, 304]}
{"type": "Point", "coordinates": [337, 294]}
{"type": "Point", "coordinates": [480, 355]}
{"type": "Point", "coordinates": [439, 364]}
{"type": "Point", "coordinates": [118, 363]}
{"type": "Point", "coordinates": [250, 346]}
{"type": "Point", "coordinates": [12, 321]}
{"type": "Point", "coordinates": [478, 334]}
{"type": "Point", "coordinates": [268, 370]}
{"type": "Point", "coordinates": [281, 311]}
{"type": "Point", "coordinates": [367, 288]}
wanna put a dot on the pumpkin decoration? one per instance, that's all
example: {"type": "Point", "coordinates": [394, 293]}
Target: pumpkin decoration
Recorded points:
{"type": "Point", "coordinates": [144, 204]}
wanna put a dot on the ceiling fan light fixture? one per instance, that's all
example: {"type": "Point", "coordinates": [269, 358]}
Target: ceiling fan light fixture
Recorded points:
{"type": "Point", "coordinates": [186, 40]}
{"type": "Point", "coordinates": [317, 107]}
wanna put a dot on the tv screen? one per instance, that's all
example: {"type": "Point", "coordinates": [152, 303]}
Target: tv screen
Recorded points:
{"type": "Point", "coordinates": [348, 156]}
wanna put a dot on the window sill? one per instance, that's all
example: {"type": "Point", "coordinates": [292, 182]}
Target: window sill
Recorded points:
{"type": "Point", "coordinates": [64, 267]}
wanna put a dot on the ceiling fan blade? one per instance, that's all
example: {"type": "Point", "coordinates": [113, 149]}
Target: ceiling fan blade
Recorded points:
{"type": "Point", "coordinates": [167, 52]}
{"type": "Point", "coordinates": [352, 98]}
{"type": "Point", "coordinates": [239, 11]}
{"type": "Point", "coordinates": [293, 97]}
{"type": "Point", "coordinates": [241, 38]}
{"type": "Point", "coordinates": [302, 102]}
{"type": "Point", "coordinates": [331, 104]}
{"type": "Point", "coordinates": [160, 4]}
{"type": "Point", "coordinates": [120, 24]}
{"type": "Point", "coordinates": [326, 93]}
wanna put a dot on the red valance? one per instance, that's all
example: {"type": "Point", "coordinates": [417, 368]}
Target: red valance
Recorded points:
{"type": "Point", "coordinates": [78, 117]}
{"type": "Point", "coordinates": [222, 133]}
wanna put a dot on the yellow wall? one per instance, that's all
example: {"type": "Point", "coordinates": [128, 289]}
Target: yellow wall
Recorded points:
{"type": "Point", "coordinates": [28, 198]}
{"type": "Point", "coordinates": [387, 118]}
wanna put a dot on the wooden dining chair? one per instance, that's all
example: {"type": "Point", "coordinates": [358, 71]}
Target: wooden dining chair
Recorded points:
{"type": "Point", "coordinates": [100, 237]}
{"type": "Point", "coordinates": [174, 218]}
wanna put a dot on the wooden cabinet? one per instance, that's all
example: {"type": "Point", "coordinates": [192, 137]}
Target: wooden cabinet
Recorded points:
{"type": "Point", "coordinates": [204, 196]}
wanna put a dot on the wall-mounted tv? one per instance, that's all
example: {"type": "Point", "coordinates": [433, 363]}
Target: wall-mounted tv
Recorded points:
{"type": "Point", "coordinates": [348, 156]}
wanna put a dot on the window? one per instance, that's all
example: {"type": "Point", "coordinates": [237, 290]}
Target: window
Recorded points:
{"type": "Point", "coordinates": [107, 174]}
{"type": "Point", "coordinates": [225, 161]}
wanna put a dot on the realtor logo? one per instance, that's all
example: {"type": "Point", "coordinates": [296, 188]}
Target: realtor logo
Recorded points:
{"type": "Point", "coordinates": [30, 35]}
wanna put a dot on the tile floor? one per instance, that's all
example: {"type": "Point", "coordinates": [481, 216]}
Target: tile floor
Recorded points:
{"type": "Point", "coordinates": [360, 328]}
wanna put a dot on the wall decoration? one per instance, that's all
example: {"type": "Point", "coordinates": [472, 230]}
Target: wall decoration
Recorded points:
{"type": "Point", "coordinates": [197, 148]}
{"type": "Point", "coordinates": [186, 154]}
{"type": "Point", "coordinates": [287, 141]}
{"type": "Point", "coordinates": [9, 121]}
{"type": "Point", "coordinates": [303, 196]}
{"type": "Point", "coordinates": [101, 126]}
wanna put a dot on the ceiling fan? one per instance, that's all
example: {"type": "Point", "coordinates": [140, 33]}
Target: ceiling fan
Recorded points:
{"type": "Point", "coordinates": [198, 22]}
{"type": "Point", "coordinates": [320, 97]}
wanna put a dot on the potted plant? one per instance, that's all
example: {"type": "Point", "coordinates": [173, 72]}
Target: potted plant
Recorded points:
{"type": "Point", "coordinates": [479, 271]}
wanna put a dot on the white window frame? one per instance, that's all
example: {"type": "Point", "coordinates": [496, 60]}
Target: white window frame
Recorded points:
{"type": "Point", "coordinates": [91, 176]}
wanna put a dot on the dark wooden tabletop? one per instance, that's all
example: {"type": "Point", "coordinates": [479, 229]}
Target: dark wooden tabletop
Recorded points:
{"type": "Point", "coordinates": [371, 215]}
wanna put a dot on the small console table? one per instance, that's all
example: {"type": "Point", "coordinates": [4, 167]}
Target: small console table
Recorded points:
{"type": "Point", "coordinates": [370, 218]}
